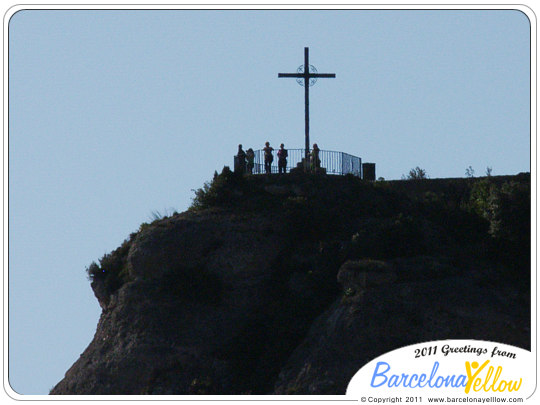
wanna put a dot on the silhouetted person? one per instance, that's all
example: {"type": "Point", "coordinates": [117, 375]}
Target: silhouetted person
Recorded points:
{"type": "Point", "coordinates": [250, 156]}
{"type": "Point", "coordinates": [241, 159]}
{"type": "Point", "coordinates": [315, 161]}
{"type": "Point", "coordinates": [268, 157]}
{"type": "Point", "coordinates": [282, 159]}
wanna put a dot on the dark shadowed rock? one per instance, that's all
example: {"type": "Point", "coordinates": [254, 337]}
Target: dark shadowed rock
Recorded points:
{"type": "Point", "coordinates": [158, 337]}
{"type": "Point", "coordinates": [290, 284]}
{"type": "Point", "coordinates": [376, 315]}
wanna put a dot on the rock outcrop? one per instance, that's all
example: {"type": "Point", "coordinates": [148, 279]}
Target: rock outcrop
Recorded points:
{"type": "Point", "coordinates": [289, 285]}
{"type": "Point", "coordinates": [378, 314]}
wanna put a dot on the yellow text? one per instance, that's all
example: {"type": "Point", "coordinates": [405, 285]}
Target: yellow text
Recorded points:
{"type": "Point", "coordinates": [488, 382]}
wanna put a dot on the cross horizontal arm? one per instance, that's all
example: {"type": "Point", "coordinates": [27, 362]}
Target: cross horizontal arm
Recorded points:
{"type": "Point", "coordinates": [290, 75]}
{"type": "Point", "coordinates": [333, 75]}
{"type": "Point", "coordinates": [322, 75]}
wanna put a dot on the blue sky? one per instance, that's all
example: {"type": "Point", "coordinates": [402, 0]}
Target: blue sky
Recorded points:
{"type": "Point", "coordinates": [116, 114]}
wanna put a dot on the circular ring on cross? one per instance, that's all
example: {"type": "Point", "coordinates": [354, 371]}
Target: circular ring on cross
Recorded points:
{"type": "Point", "coordinates": [301, 80]}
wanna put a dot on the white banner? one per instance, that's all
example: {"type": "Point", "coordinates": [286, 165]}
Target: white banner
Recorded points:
{"type": "Point", "coordinates": [447, 371]}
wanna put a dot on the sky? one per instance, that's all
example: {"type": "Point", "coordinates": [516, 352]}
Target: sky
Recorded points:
{"type": "Point", "coordinates": [114, 115]}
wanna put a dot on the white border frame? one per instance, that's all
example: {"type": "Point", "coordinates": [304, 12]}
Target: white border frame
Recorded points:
{"type": "Point", "coordinates": [246, 5]}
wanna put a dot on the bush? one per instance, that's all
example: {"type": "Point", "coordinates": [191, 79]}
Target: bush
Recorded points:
{"type": "Point", "coordinates": [480, 200]}
{"type": "Point", "coordinates": [510, 212]}
{"type": "Point", "coordinates": [417, 174]}
{"type": "Point", "coordinates": [507, 212]}
{"type": "Point", "coordinates": [112, 268]}
{"type": "Point", "coordinates": [218, 192]}
{"type": "Point", "coordinates": [507, 208]}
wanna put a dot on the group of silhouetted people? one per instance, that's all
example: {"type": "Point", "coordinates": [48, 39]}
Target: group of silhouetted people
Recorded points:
{"type": "Point", "coordinates": [246, 160]}
{"type": "Point", "coordinates": [282, 155]}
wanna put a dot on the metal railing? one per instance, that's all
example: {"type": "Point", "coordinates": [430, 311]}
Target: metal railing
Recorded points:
{"type": "Point", "coordinates": [337, 163]}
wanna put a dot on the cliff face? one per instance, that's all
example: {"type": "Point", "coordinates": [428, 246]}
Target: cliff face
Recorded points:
{"type": "Point", "coordinates": [289, 285]}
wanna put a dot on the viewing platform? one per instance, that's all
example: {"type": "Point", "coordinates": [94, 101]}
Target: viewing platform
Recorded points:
{"type": "Point", "coordinates": [331, 162]}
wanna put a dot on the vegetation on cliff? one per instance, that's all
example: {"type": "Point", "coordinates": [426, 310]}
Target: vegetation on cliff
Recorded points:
{"type": "Point", "coordinates": [488, 218]}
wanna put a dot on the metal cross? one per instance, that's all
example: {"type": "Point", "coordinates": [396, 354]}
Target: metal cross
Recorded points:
{"type": "Point", "coordinates": [306, 75]}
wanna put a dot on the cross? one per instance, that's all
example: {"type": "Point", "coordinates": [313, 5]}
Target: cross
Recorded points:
{"type": "Point", "coordinates": [306, 76]}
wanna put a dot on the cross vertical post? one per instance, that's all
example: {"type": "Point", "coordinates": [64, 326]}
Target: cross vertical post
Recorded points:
{"type": "Point", "coordinates": [306, 92]}
{"type": "Point", "coordinates": [306, 75]}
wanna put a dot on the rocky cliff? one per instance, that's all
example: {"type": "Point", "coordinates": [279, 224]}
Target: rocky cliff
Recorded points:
{"type": "Point", "coordinates": [289, 284]}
